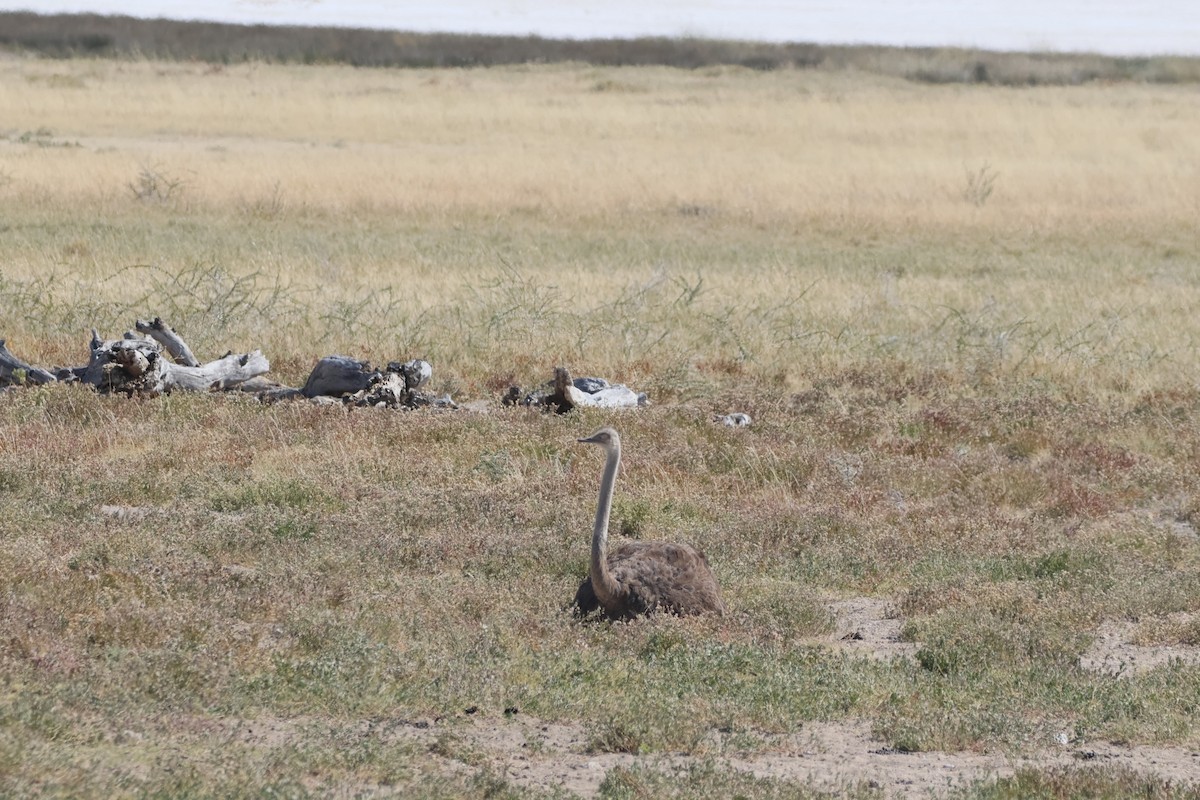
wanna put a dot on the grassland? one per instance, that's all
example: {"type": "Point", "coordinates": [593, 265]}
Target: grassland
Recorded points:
{"type": "Point", "coordinates": [962, 317]}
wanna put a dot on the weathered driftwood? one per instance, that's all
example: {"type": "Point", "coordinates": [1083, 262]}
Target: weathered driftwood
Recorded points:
{"type": "Point", "coordinates": [165, 335]}
{"type": "Point", "coordinates": [14, 370]}
{"type": "Point", "coordinates": [134, 365]}
{"type": "Point", "coordinates": [156, 359]}
{"type": "Point", "coordinates": [268, 390]}
{"type": "Point", "coordinates": [567, 394]}
{"type": "Point", "coordinates": [128, 366]}
{"type": "Point", "coordinates": [224, 373]}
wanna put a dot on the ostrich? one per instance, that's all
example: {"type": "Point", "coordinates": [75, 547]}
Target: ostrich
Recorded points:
{"type": "Point", "coordinates": [641, 577]}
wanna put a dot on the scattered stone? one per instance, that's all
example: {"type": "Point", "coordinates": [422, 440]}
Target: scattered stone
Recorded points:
{"type": "Point", "coordinates": [445, 401]}
{"type": "Point", "coordinates": [590, 385]}
{"type": "Point", "coordinates": [563, 394]}
{"type": "Point", "coordinates": [386, 390]}
{"type": "Point", "coordinates": [335, 376]}
{"type": "Point", "coordinates": [416, 372]}
{"type": "Point", "coordinates": [357, 383]}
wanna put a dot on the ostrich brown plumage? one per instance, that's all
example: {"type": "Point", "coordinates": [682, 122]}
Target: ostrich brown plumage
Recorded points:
{"type": "Point", "coordinates": [641, 577]}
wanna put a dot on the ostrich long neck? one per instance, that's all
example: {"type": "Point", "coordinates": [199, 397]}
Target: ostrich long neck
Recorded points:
{"type": "Point", "coordinates": [607, 591]}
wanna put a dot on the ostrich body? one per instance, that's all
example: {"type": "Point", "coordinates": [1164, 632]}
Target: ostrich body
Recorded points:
{"type": "Point", "coordinates": [641, 577]}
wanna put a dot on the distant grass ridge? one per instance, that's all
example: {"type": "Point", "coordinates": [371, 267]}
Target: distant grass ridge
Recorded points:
{"type": "Point", "coordinates": [73, 35]}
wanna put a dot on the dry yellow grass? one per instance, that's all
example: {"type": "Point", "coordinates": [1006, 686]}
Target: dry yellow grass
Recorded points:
{"type": "Point", "coordinates": [1045, 228]}
{"type": "Point", "coordinates": [582, 142]}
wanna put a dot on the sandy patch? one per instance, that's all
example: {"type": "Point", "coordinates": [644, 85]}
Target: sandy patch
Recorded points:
{"type": "Point", "coordinates": [868, 626]}
{"type": "Point", "coordinates": [535, 754]}
{"type": "Point", "coordinates": [1114, 653]}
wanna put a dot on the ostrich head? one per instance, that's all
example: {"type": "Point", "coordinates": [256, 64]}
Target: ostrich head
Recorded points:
{"type": "Point", "coordinates": [605, 437]}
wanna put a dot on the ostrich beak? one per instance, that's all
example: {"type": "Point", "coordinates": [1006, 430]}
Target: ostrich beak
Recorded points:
{"type": "Point", "coordinates": [605, 437]}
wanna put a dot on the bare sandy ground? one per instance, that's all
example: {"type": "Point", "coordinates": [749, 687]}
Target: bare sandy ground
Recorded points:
{"type": "Point", "coordinates": [831, 755]}
{"type": "Point", "coordinates": [835, 754]}
{"type": "Point", "coordinates": [536, 754]}
{"type": "Point", "coordinates": [1114, 652]}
